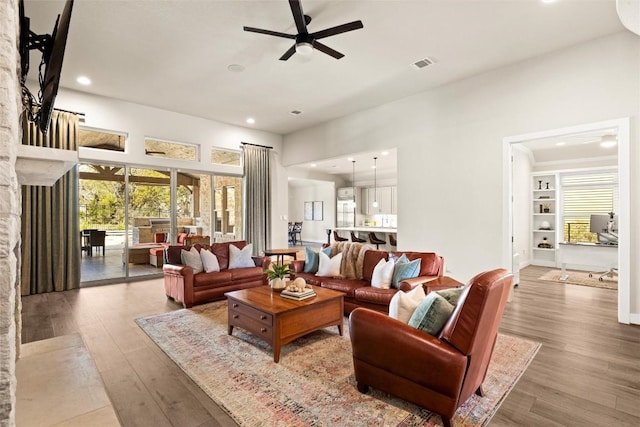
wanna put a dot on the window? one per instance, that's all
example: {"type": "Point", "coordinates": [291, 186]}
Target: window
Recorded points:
{"type": "Point", "coordinates": [585, 194]}
{"type": "Point", "coordinates": [171, 150]}
{"type": "Point", "coordinates": [227, 209]}
{"type": "Point", "coordinates": [101, 140]}
{"type": "Point", "coordinates": [224, 157]}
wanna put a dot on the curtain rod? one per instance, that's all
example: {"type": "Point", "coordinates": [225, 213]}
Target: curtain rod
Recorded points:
{"type": "Point", "coordinates": [69, 111]}
{"type": "Point", "coordinates": [256, 145]}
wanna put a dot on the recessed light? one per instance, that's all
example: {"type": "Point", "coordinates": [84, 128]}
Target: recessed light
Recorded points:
{"type": "Point", "coordinates": [385, 153]}
{"type": "Point", "coordinates": [251, 120]}
{"type": "Point", "coordinates": [235, 68]}
{"type": "Point", "coordinates": [313, 165]}
{"type": "Point", "coordinates": [548, 1]}
{"type": "Point", "coordinates": [84, 80]}
{"type": "Point", "coordinates": [561, 143]}
{"type": "Point", "coordinates": [608, 144]}
{"type": "Point", "coordinates": [351, 159]}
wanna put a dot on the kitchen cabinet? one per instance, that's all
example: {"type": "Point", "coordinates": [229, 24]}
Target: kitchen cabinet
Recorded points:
{"type": "Point", "coordinates": [385, 197]}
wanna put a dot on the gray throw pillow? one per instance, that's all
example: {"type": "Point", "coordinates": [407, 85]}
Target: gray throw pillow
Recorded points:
{"type": "Point", "coordinates": [432, 314]}
{"type": "Point", "coordinates": [452, 295]}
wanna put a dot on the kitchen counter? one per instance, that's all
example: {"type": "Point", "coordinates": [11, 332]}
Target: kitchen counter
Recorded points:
{"type": "Point", "coordinates": [369, 229]}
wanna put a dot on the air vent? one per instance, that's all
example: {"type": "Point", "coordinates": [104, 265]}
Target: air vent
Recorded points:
{"type": "Point", "coordinates": [423, 63]}
{"type": "Point", "coordinates": [295, 112]}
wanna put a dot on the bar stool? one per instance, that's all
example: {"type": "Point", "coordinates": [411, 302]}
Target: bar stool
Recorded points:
{"type": "Point", "coordinates": [338, 238]}
{"type": "Point", "coordinates": [374, 240]}
{"type": "Point", "coordinates": [356, 239]}
{"type": "Point", "coordinates": [392, 240]}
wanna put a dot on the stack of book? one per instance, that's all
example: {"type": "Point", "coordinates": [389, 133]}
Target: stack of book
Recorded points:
{"type": "Point", "coordinates": [307, 293]}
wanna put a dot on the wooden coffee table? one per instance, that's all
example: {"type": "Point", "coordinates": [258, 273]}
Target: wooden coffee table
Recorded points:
{"type": "Point", "coordinates": [277, 320]}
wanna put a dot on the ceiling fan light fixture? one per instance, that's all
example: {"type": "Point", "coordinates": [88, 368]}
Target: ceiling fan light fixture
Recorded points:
{"type": "Point", "coordinates": [304, 48]}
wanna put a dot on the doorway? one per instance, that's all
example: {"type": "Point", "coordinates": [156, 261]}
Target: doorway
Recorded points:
{"type": "Point", "coordinates": [621, 127]}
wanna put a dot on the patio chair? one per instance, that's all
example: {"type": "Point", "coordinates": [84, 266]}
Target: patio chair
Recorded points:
{"type": "Point", "coordinates": [96, 239]}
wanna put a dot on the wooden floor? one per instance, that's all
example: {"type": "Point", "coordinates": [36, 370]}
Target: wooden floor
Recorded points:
{"type": "Point", "coordinates": [587, 372]}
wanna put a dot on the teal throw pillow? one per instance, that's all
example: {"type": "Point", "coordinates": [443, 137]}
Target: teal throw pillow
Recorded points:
{"type": "Point", "coordinates": [312, 260]}
{"type": "Point", "coordinates": [432, 314]}
{"type": "Point", "coordinates": [452, 295]}
{"type": "Point", "coordinates": [405, 270]}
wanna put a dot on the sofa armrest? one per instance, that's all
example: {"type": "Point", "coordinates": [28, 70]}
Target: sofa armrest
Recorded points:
{"type": "Point", "coordinates": [262, 261]}
{"type": "Point", "coordinates": [407, 352]}
{"type": "Point", "coordinates": [178, 283]}
{"type": "Point", "coordinates": [175, 268]}
{"type": "Point", "coordinates": [408, 284]}
{"type": "Point", "coordinates": [297, 266]}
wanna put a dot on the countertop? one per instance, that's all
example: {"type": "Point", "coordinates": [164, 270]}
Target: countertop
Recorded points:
{"type": "Point", "coordinates": [369, 229]}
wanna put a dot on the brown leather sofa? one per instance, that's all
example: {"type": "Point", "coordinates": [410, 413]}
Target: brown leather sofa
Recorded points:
{"type": "Point", "coordinates": [438, 373]}
{"type": "Point", "coordinates": [181, 285]}
{"type": "Point", "coordinates": [360, 293]}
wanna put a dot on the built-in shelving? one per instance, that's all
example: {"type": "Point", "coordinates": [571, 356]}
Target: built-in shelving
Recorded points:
{"type": "Point", "coordinates": [544, 224]}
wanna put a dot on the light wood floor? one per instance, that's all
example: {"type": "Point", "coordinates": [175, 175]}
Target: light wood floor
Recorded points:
{"type": "Point", "coordinates": [586, 373]}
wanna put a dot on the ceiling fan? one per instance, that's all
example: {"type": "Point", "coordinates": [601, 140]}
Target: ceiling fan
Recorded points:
{"type": "Point", "coordinates": [305, 41]}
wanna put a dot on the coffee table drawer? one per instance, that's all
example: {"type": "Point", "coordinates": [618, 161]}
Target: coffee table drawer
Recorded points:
{"type": "Point", "coordinates": [252, 325]}
{"type": "Point", "coordinates": [251, 313]}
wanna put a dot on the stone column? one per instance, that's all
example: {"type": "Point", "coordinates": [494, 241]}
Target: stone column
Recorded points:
{"type": "Point", "coordinates": [10, 134]}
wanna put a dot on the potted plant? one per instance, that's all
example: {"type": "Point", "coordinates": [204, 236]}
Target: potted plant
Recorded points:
{"type": "Point", "coordinates": [276, 274]}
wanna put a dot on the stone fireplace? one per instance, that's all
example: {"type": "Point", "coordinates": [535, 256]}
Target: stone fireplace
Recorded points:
{"type": "Point", "coordinates": [10, 207]}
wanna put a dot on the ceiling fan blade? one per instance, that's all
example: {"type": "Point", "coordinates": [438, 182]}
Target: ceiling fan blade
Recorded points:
{"type": "Point", "coordinates": [288, 53]}
{"type": "Point", "coordinates": [298, 16]}
{"type": "Point", "coordinates": [326, 49]}
{"type": "Point", "coordinates": [355, 25]}
{"type": "Point", "coordinates": [269, 32]}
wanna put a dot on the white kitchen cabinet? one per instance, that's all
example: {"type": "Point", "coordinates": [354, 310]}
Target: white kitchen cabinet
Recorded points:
{"type": "Point", "coordinates": [385, 197]}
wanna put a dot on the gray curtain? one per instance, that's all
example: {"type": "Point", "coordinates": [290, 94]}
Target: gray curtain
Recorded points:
{"type": "Point", "coordinates": [50, 219]}
{"type": "Point", "coordinates": [257, 197]}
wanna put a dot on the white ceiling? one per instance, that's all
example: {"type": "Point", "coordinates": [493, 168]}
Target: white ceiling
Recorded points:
{"type": "Point", "coordinates": [174, 54]}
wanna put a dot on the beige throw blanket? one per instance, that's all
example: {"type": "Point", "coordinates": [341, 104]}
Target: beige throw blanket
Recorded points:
{"type": "Point", "coordinates": [352, 258]}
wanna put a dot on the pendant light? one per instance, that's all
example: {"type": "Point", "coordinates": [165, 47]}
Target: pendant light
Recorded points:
{"type": "Point", "coordinates": [375, 183]}
{"type": "Point", "coordinates": [353, 181]}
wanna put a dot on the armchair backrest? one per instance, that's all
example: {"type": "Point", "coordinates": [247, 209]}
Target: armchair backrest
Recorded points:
{"type": "Point", "coordinates": [473, 326]}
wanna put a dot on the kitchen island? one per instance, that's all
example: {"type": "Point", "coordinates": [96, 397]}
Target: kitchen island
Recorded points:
{"type": "Point", "coordinates": [363, 232]}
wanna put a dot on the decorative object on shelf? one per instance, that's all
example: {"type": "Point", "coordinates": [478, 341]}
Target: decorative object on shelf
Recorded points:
{"type": "Point", "coordinates": [546, 207]}
{"type": "Point", "coordinates": [276, 274]}
{"type": "Point", "coordinates": [545, 244]}
{"type": "Point", "coordinates": [544, 225]}
{"type": "Point", "coordinates": [547, 185]}
{"type": "Point", "coordinates": [544, 197]}
{"type": "Point", "coordinates": [540, 208]}
{"type": "Point", "coordinates": [540, 185]}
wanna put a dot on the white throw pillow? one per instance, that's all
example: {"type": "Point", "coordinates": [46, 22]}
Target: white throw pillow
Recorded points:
{"type": "Point", "coordinates": [241, 258]}
{"type": "Point", "coordinates": [329, 267]}
{"type": "Point", "coordinates": [192, 259]}
{"type": "Point", "coordinates": [382, 274]}
{"type": "Point", "coordinates": [209, 261]}
{"type": "Point", "coordinates": [403, 304]}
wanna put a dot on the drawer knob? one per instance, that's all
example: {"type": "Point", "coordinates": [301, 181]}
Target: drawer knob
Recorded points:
{"type": "Point", "coordinates": [235, 305]}
{"type": "Point", "coordinates": [263, 330]}
{"type": "Point", "coordinates": [263, 317]}
{"type": "Point", "coordinates": [235, 316]}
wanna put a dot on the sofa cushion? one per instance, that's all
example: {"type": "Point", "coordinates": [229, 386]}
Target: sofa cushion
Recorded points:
{"type": "Point", "coordinates": [346, 286]}
{"type": "Point", "coordinates": [192, 259]}
{"type": "Point", "coordinates": [429, 261]}
{"type": "Point", "coordinates": [405, 269]}
{"type": "Point", "coordinates": [329, 267]}
{"type": "Point", "coordinates": [209, 261]}
{"type": "Point", "coordinates": [221, 251]}
{"type": "Point", "coordinates": [403, 304]}
{"type": "Point", "coordinates": [452, 294]}
{"type": "Point", "coordinates": [374, 295]}
{"type": "Point", "coordinates": [382, 274]}
{"type": "Point", "coordinates": [432, 314]}
{"type": "Point", "coordinates": [214, 278]}
{"type": "Point", "coordinates": [241, 258]}
{"type": "Point", "coordinates": [312, 259]}
{"type": "Point", "coordinates": [371, 258]}
{"type": "Point", "coordinates": [246, 273]}
{"type": "Point", "coordinates": [310, 278]}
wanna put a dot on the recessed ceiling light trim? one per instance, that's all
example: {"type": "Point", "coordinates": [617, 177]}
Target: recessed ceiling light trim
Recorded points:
{"type": "Point", "coordinates": [250, 120]}
{"type": "Point", "coordinates": [84, 80]}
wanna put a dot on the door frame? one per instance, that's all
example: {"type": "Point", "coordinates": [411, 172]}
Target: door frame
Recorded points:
{"type": "Point", "coordinates": [624, 187]}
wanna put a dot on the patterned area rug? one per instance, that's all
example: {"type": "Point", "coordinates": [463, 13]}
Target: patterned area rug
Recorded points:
{"type": "Point", "coordinates": [313, 385]}
{"type": "Point", "coordinates": [581, 278]}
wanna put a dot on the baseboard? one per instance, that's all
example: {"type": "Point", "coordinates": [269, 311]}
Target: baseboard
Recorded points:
{"type": "Point", "coordinates": [634, 318]}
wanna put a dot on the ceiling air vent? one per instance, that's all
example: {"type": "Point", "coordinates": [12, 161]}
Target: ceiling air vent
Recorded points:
{"type": "Point", "coordinates": [423, 63]}
{"type": "Point", "coordinates": [295, 112]}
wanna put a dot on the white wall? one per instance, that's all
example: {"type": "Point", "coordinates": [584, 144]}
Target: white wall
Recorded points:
{"type": "Point", "coordinates": [450, 172]}
{"type": "Point", "coordinates": [139, 122]}
{"type": "Point", "coordinates": [325, 192]}
{"type": "Point", "coordinates": [522, 204]}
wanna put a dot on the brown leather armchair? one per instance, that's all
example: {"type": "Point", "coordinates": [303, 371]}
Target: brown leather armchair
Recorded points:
{"type": "Point", "coordinates": [437, 373]}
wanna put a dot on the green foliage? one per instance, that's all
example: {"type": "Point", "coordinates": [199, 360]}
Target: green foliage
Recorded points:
{"type": "Point", "coordinates": [278, 271]}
